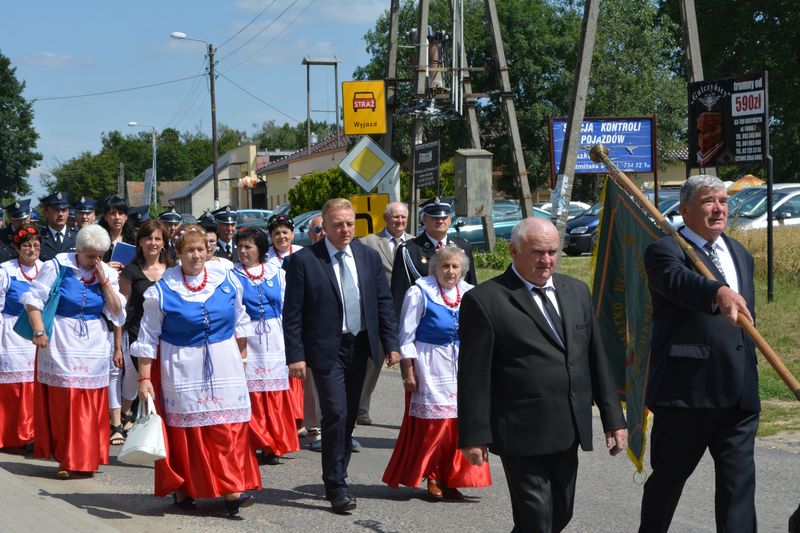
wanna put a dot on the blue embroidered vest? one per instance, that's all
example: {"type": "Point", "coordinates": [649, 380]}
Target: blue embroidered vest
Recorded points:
{"type": "Point", "coordinates": [197, 323]}
{"type": "Point", "coordinates": [438, 325]}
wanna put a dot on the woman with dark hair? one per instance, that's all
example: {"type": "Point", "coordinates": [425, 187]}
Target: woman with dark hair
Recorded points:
{"type": "Point", "coordinates": [115, 222]}
{"type": "Point", "coordinates": [192, 364]}
{"type": "Point", "coordinates": [272, 424]}
{"type": "Point", "coordinates": [427, 445]}
{"type": "Point", "coordinates": [71, 381]}
{"type": "Point", "coordinates": [281, 233]}
{"type": "Point", "coordinates": [17, 354]}
{"type": "Point", "coordinates": [146, 268]}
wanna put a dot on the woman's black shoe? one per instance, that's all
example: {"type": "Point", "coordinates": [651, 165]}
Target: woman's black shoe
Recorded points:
{"type": "Point", "coordinates": [233, 506]}
{"type": "Point", "coordinates": [187, 503]}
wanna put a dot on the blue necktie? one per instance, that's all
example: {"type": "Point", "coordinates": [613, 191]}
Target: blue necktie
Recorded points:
{"type": "Point", "coordinates": [351, 304]}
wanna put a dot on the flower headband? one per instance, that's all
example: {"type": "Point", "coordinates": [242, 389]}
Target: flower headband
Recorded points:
{"type": "Point", "coordinates": [278, 220]}
{"type": "Point", "coordinates": [24, 232]}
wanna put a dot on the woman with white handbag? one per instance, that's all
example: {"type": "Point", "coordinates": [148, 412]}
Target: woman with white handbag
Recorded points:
{"type": "Point", "coordinates": [191, 363]}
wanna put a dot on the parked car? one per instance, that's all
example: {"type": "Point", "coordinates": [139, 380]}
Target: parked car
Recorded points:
{"type": "Point", "coordinates": [301, 227]}
{"type": "Point", "coordinates": [188, 218]}
{"type": "Point", "coordinates": [752, 213]}
{"type": "Point", "coordinates": [580, 235]}
{"type": "Point", "coordinates": [575, 208]}
{"type": "Point", "coordinates": [252, 218]}
{"type": "Point", "coordinates": [505, 215]}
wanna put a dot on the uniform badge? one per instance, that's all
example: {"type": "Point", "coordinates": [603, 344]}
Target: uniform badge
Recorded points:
{"type": "Point", "coordinates": [226, 289]}
{"type": "Point", "coordinates": [424, 260]}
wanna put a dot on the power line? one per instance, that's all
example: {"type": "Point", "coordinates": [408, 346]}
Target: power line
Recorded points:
{"type": "Point", "coordinates": [189, 95]}
{"type": "Point", "coordinates": [114, 91]}
{"type": "Point", "coordinates": [247, 25]}
{"type": "Point", "coordinates": [259, 99]}
{"type": "Point", "coordinates": [299, 14]}
{"type": "Point", "coordinates": [262, 30]}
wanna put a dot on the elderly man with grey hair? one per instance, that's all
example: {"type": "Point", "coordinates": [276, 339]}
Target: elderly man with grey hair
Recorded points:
{"type": "Point", "coordinates": [531, 364]}
{"type": "Point", "coordinates": [702, 383]}
{"type": "Point", "coordinates": [386, 243]}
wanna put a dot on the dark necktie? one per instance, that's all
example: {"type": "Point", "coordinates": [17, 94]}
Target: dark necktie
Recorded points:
{"type": "Point", "coordinates": [712, 254]}
{"type": "Point", "coordinates": [352, 307]}
{"type": "Point", "coordinates": [550, 309]}
{"type": "Point", "coordinates": [439, 245]}
{"type": "Point", "coordinates": [58, 238]}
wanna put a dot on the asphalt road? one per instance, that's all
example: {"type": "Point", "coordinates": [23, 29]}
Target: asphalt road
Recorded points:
{"type": "Point", "coordinates": [608, 495]}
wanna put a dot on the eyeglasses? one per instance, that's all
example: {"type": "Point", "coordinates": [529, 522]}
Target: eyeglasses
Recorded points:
{"type": "Point", "coordinates": [317, 229]}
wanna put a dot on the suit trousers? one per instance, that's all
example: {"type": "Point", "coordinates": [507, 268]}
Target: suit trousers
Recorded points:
{"type": "Point", "coordinates": [339, 390]}
{"type": "Point", "coordinates": [542, 489]}
{"type": "Point", "coordinates": [370, 381]}
{"type": "Point", "coordinates": [679, 439]}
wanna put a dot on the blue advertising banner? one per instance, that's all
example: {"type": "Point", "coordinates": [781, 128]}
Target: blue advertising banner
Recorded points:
{"type": "Point", "coordinates": [630, 143]}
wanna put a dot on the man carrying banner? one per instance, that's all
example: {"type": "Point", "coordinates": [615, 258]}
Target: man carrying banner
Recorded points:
{"type": "Point", "coordinates": [702, 384]}
{"type": "Point", "coordinates": [531, 364]}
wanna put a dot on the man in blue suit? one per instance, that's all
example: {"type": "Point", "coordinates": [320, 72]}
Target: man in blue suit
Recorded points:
{"type": "Point", "coordinates": [337, 308]}
{"type": "Point", "coordinates": [702, 383]}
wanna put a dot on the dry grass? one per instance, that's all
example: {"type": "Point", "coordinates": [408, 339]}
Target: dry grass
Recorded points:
{"type": "Point", "coordinates": [777, 321]}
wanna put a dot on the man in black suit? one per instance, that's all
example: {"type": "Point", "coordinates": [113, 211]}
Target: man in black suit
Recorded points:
{"type": "Point", "coordinates": [702, 384]}
{"type": "Point", "coordinates": [531, 364]}
{"type": "Point", "coordinates": [56, 236]}
{"type": "Point", "coordinates": [411, 258]}
{"type": "Point", "coordinates": [225, 217]}
{"type": "Point", "coordinates": [336, 309]}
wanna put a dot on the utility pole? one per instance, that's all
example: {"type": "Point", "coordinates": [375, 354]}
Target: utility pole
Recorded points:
{"type": "Point", "coordinates": [213, 125]}
{"type": "Point", "coordinates": [391, 75]}
{"type": "Point", "coordinates": [122, 190]}
{"type": "Point", "coordinates": [580, 86]}
{"type": "Point", "coordinates": [509, 110]}
{"type": "Point", "coordinates": [420, 93]}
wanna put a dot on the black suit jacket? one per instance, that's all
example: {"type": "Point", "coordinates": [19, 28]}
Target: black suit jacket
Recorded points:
{"type": "Point", "coordinates": [312, 311]}
{"type": "Point", "coordinates": [697, 357]}
{"type": "Point", "coordinates": [50, 248]}
{"type": "Point", "coordinates": [518, 389]}
{"type": "Point", "coordinates": [419, 251]}
{"type": "Point", "coordinates": [232, 256]}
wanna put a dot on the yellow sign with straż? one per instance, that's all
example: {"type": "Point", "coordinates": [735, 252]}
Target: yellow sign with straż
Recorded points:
{"type": "Point", "coordinates": [364, 106]}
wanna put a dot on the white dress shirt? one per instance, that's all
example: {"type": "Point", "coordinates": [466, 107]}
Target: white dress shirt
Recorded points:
{"type": "Point", "coordinates": [550, 291]}
{"type": "Point", "coordinates": [350, 264]}
{"type": "Point", "coordinates": [724, 254]}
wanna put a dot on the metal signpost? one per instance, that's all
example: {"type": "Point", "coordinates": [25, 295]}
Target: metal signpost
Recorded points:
{"type": "Point", "coordinates": [426, 165]}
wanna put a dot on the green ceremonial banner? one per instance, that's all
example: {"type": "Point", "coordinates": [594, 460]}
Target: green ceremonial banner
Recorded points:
{"type": "Point", "coordinates": [622, 304]}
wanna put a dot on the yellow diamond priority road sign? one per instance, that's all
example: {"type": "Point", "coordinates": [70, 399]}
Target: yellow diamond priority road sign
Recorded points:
{"type": "Point", "coordinates": [364, 105]}
{"type": "Point", "coordinates": [367, 164]}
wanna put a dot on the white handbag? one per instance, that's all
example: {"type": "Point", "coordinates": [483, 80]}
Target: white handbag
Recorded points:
{"type": "Point", "coordinates": [145, 442]}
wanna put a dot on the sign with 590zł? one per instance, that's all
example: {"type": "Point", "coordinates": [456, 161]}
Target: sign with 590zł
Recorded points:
{"type": "Point", "coordinates": [364, 105]}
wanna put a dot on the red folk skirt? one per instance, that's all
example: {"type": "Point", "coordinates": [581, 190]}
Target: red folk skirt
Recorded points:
{"type": "Point", "coordinates": [428, 448]}
{"type": "Point", "coordinates": [205, 461]}
{"type": "Point", "coordinates": [272, 423]}
{"type": "Point", "coordinates": [71, 426]}
{"type": "Point", "coordinates": [296, 389]}
{"type": "Point", "coordinates": [16, 414]}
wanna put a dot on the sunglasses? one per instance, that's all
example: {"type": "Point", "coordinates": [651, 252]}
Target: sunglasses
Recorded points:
{"type": "Point", "coordinates": [317, 229]}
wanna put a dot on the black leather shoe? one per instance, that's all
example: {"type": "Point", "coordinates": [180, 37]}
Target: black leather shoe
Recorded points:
{"type": "Point", "coordinates": [270, 459]}
{"type": "Point", "coordinates": [187, 503]}
{"type": "Point", "coordinates": [343, 504]}
{"type": "Point", "coordinates": [233, 506]}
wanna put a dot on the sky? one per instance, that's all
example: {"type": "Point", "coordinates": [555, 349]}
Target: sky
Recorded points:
{"type": "Point", "coordinates": [64, 49]}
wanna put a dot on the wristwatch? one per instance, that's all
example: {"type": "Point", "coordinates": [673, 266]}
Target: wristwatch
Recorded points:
{"type": "Point", "coordinates": [38, 333]}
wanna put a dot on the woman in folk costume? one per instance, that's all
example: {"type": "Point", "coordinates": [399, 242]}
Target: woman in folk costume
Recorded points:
{"type": "Point", "coordinates": [281, 233]}
{"type": "Point", "coordinates": [191, 362]}
{"type": "Point", "coordinates": [16, 353]}
{"type": "Point", "coordinates": [71, 384]}
{"type": "Point", "coordinates": [427, 446]}
{"type": "Point", "coordinates": [273, 421]}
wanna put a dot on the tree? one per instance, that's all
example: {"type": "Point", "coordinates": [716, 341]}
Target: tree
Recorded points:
{"type": "Point", "coordinates": [541, 38]}
{"type": "Point", "coordinates": [313, 190]}
{"type": "Point", "coordinates": [756, 36]}
{"type": "Point", "coordinates": [270, 136]}
{"type": "Point", "coordinates": [17, 135]}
